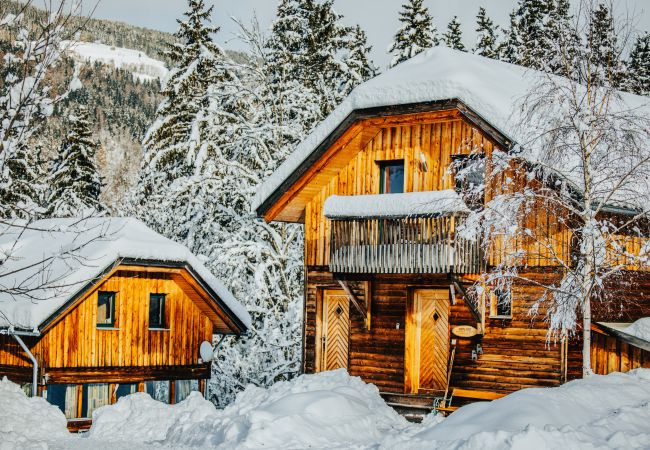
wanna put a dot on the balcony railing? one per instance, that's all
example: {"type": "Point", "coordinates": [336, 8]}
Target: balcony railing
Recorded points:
{"type": "Point", "coordinates": [402, 245]}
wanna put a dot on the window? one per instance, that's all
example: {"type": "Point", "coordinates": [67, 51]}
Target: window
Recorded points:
{"type": "Point", "coordinates": [65, 397]}
{"type": "Point", "coordinates": [156, 310]}
{"type": "Point", "coordinates": [124, 389]}
{"type": "Point", "coordinates": [183, 389]}
{"type": "Point", "coordinates": [500, 304]}
{"type": "Point", "coordinates": [94, 396]}
{"type": "Point", "coordinates": [391, 177]}
{"type": "Point", "coordinates": [158, 390]}
{"type": "Point", "coordinates": [106, 309]}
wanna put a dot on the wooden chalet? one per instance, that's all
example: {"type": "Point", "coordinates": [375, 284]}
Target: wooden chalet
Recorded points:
{"type": "Point", "coordinates": [386, 275]}
{"type": "Point", "coordinates": [109, 308]}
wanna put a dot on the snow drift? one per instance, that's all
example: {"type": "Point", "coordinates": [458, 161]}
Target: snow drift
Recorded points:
{"type": "Point", "coordinates": [27, 422]}
{"type": "Point", "coordinates": [611, 411]}
{"type": "Point", "coordinates": [325, 410]}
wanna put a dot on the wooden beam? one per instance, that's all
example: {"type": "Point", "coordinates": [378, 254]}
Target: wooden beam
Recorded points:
{"type": "Point", "coordinates": [355, 301]}
{"type": "Point", "coordinates": [367, 293]}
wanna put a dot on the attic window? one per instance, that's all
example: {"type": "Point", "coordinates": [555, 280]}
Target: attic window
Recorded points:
{"type": "Point", "coordinates": [391, 177]}
{"type": "Point", "coordinates": [501, 304]}
{"type": "Point", "coordinates": [469, 175]}
{"type": "Point", "coordinates": [105, 309]}
{"type": "Point", "coordinates": [156, 310]}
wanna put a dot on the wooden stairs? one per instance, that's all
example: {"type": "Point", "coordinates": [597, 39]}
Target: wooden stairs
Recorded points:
{"type": "Point", "coordinates": [413, 407]}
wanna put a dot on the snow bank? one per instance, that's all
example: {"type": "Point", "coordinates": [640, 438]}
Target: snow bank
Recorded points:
{"type": "Point", "coordinates": [611, 411]}
{"type": "Point", "coordinates": [27, 422]}
{"type": "Point", "coordinates": [640, 329]}
{"type": "Point", "coordinates": [394, 205]}
{"type": "Point", "coordinates": [325, 410]}
{"type": "Point", "coordinates": [55, 258]}
{"type": "Point", "coordinates": [138, 63]}
{"type": "Point", "coordinates": [139, 418]}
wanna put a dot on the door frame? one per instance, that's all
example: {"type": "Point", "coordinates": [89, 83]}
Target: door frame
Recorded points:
{"type": "Point", "coordinates": [411, 373]}
{"type": "Point", "coordinates": [318, 345]}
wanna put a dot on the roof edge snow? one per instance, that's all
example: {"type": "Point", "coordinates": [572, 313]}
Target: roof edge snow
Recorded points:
{"type": "Point", "coordinates": [407, 204]}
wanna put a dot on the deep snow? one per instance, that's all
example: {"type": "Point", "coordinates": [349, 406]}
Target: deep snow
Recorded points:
{"type": "Point", "coordinates": [332, 410]}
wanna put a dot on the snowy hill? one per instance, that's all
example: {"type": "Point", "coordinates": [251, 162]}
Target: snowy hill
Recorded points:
{"type": "Point", "coordinates": [137, 62]}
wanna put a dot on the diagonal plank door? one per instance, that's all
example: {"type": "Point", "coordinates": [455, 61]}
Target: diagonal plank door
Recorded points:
{"type": "Point", "coordinates": [335, 330]}
{"type": "Point", "coordinates": [427, 341]}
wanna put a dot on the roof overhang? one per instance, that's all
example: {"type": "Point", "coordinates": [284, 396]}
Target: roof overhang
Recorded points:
{"type": "Point", "coordinates": [358, 128]}
{"type": "Point", "coordinates": [179, 271]}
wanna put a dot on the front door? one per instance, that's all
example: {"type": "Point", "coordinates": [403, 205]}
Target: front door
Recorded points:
{"type": "Point", "coordinates": [427, 341]}
{"type": "Point", "coordinates": [334, 330]}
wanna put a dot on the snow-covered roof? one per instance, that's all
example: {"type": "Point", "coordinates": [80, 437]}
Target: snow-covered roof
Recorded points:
{"type": "Point", "coordinates": [406, 204]}
{"type": "Point", "coordinates": [490, 88]}
{"type": "Point", "coordinates": [49, 262]}
{"type": "Point", "coordinates": [636, 333]}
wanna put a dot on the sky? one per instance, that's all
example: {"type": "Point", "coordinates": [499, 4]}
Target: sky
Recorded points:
{"type": "Point", "coordinates": [379, 18]}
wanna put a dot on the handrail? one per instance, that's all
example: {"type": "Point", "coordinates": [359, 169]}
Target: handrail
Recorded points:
{"type": "Point", "coordinates": [402, 245]}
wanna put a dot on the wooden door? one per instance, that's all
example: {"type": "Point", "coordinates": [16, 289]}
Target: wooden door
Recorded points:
{"type": "Point", "coordinates": [427, 341]}
{"type": "Point", "coordinates": [334, 331]}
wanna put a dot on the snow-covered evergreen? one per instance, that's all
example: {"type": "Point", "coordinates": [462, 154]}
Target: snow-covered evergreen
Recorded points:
{"type": "Point", "coordinates": [416, 33]}
{"type": "Point", "coordinates": [529, 33]}
{"type": "Point", "coordinates": [74, 181]}
{"type": "Point", "coordinates": [605, 51]}
{"type": "Point", "coordinates": [453, 38]}
{"type": "Point", "coordinates": [638, 66]}
{"type": "Point", "coordinates": [487, 38]}
{"type": "Point", "coordinates": [23, 187]}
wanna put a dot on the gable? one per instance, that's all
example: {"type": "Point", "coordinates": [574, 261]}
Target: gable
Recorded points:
{"type": "Point", "coordinates": [372, 129]}
{"type": "Point", "coordinates": [180, 279]}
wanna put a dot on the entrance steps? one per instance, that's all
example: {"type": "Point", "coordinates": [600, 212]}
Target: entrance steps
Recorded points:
{"type": "Point", "coordinates": [412, 406]}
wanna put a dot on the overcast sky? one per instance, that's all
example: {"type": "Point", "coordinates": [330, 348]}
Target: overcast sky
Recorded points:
{"type": "Point", "coordinates": [378, 17]}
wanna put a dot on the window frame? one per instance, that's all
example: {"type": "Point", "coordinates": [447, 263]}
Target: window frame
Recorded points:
{"type": "Point", "coordinates": [163, 299]}
{"type": "Point", "coordinates": [383, 165]}
{"type": "Point", "coordinates": [495, 301]}
{"type": "Point", "coordinates": [113, 296]}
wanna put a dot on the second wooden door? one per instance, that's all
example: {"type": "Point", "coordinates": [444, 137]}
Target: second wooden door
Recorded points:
{"type": "Point", "coordinates": [427, 341]}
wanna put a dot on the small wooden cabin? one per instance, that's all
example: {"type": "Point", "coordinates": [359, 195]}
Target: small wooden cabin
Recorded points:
{"type": "Point", "coordinates": [386, 276]}
{"type": "Point", "coordinates": [109, 308]}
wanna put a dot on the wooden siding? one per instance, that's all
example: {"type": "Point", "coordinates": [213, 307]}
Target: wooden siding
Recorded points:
{"type": "Point", "coordinates": [515, 352]}
{"type": "Point", "coordinates": [76, 342]}
{"type": "Point", "coordinates": [437, 139]}
{"type": "Point", "coordinates": [609, 354]}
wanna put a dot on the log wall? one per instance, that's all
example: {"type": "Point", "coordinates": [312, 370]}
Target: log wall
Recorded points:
{"type": "Point", "coordinates": [515, 352]}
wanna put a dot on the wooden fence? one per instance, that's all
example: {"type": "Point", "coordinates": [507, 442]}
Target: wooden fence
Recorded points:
{"type": "Point", "coordinates": [402, 245]}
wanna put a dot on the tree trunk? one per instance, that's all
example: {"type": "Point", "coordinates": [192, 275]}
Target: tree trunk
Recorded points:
{"type": "Point", "coordinates": [586, 338]}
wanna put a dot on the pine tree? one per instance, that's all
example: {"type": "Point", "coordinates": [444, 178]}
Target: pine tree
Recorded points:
{"type": "Point", "coordinates": [564, 42]}
{"type": "Point", "coordinates": [454, 37]}
{"type": "Point", "coordinates": [529, 36]}
{"type": "Point", "coordinates": [417, 32]}
{"type": "Point", "coordinates": [509, 48]}
{"type": "Point", "coordinates": [486, 41]}
{"type": "Point", "coordinates": [360, 68]}
{"type": "Point", "coordinates": [603, 49]}
{"type": "Point", "coordinates": [178, 151]}
{"type": "Point", "coordinates": [638, 66]}
{"type": "Point", "coordinates": [23, 186]}
{"type": "Point", "coordinates": [74, 180]}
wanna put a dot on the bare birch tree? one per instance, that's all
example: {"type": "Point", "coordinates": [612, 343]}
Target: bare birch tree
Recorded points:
{"type": "Point", "coordinates": [583, 162]}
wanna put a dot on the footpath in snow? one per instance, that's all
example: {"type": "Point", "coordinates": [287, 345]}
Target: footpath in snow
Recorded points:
{"type": "Point", "coordinates": [334, 411]}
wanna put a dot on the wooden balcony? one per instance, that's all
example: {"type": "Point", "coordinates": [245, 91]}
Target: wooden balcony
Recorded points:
{"type": "Point", "coordinates": [402, 245]}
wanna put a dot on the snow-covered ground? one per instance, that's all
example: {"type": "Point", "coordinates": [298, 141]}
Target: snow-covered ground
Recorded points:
{"type": "Point", "coordinates": [334, 411]}
{"type": "Point", "coordinates": [138, 63]}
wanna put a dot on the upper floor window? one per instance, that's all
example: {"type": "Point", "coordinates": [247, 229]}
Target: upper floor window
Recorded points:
{"type": "Point", "coordinates": [469, 175]}
{"type": "Point", "coordinates": [391, 177]}
{"type": "Point", "coordinates": [157, 311]}
{"type": "Point", "coordinates": [105, 309]}
{"type": "Point", "coordinates": [500, 304]}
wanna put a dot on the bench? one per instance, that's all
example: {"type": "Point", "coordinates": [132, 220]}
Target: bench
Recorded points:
{"type": "Point", "coordinates": [445, 406]}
